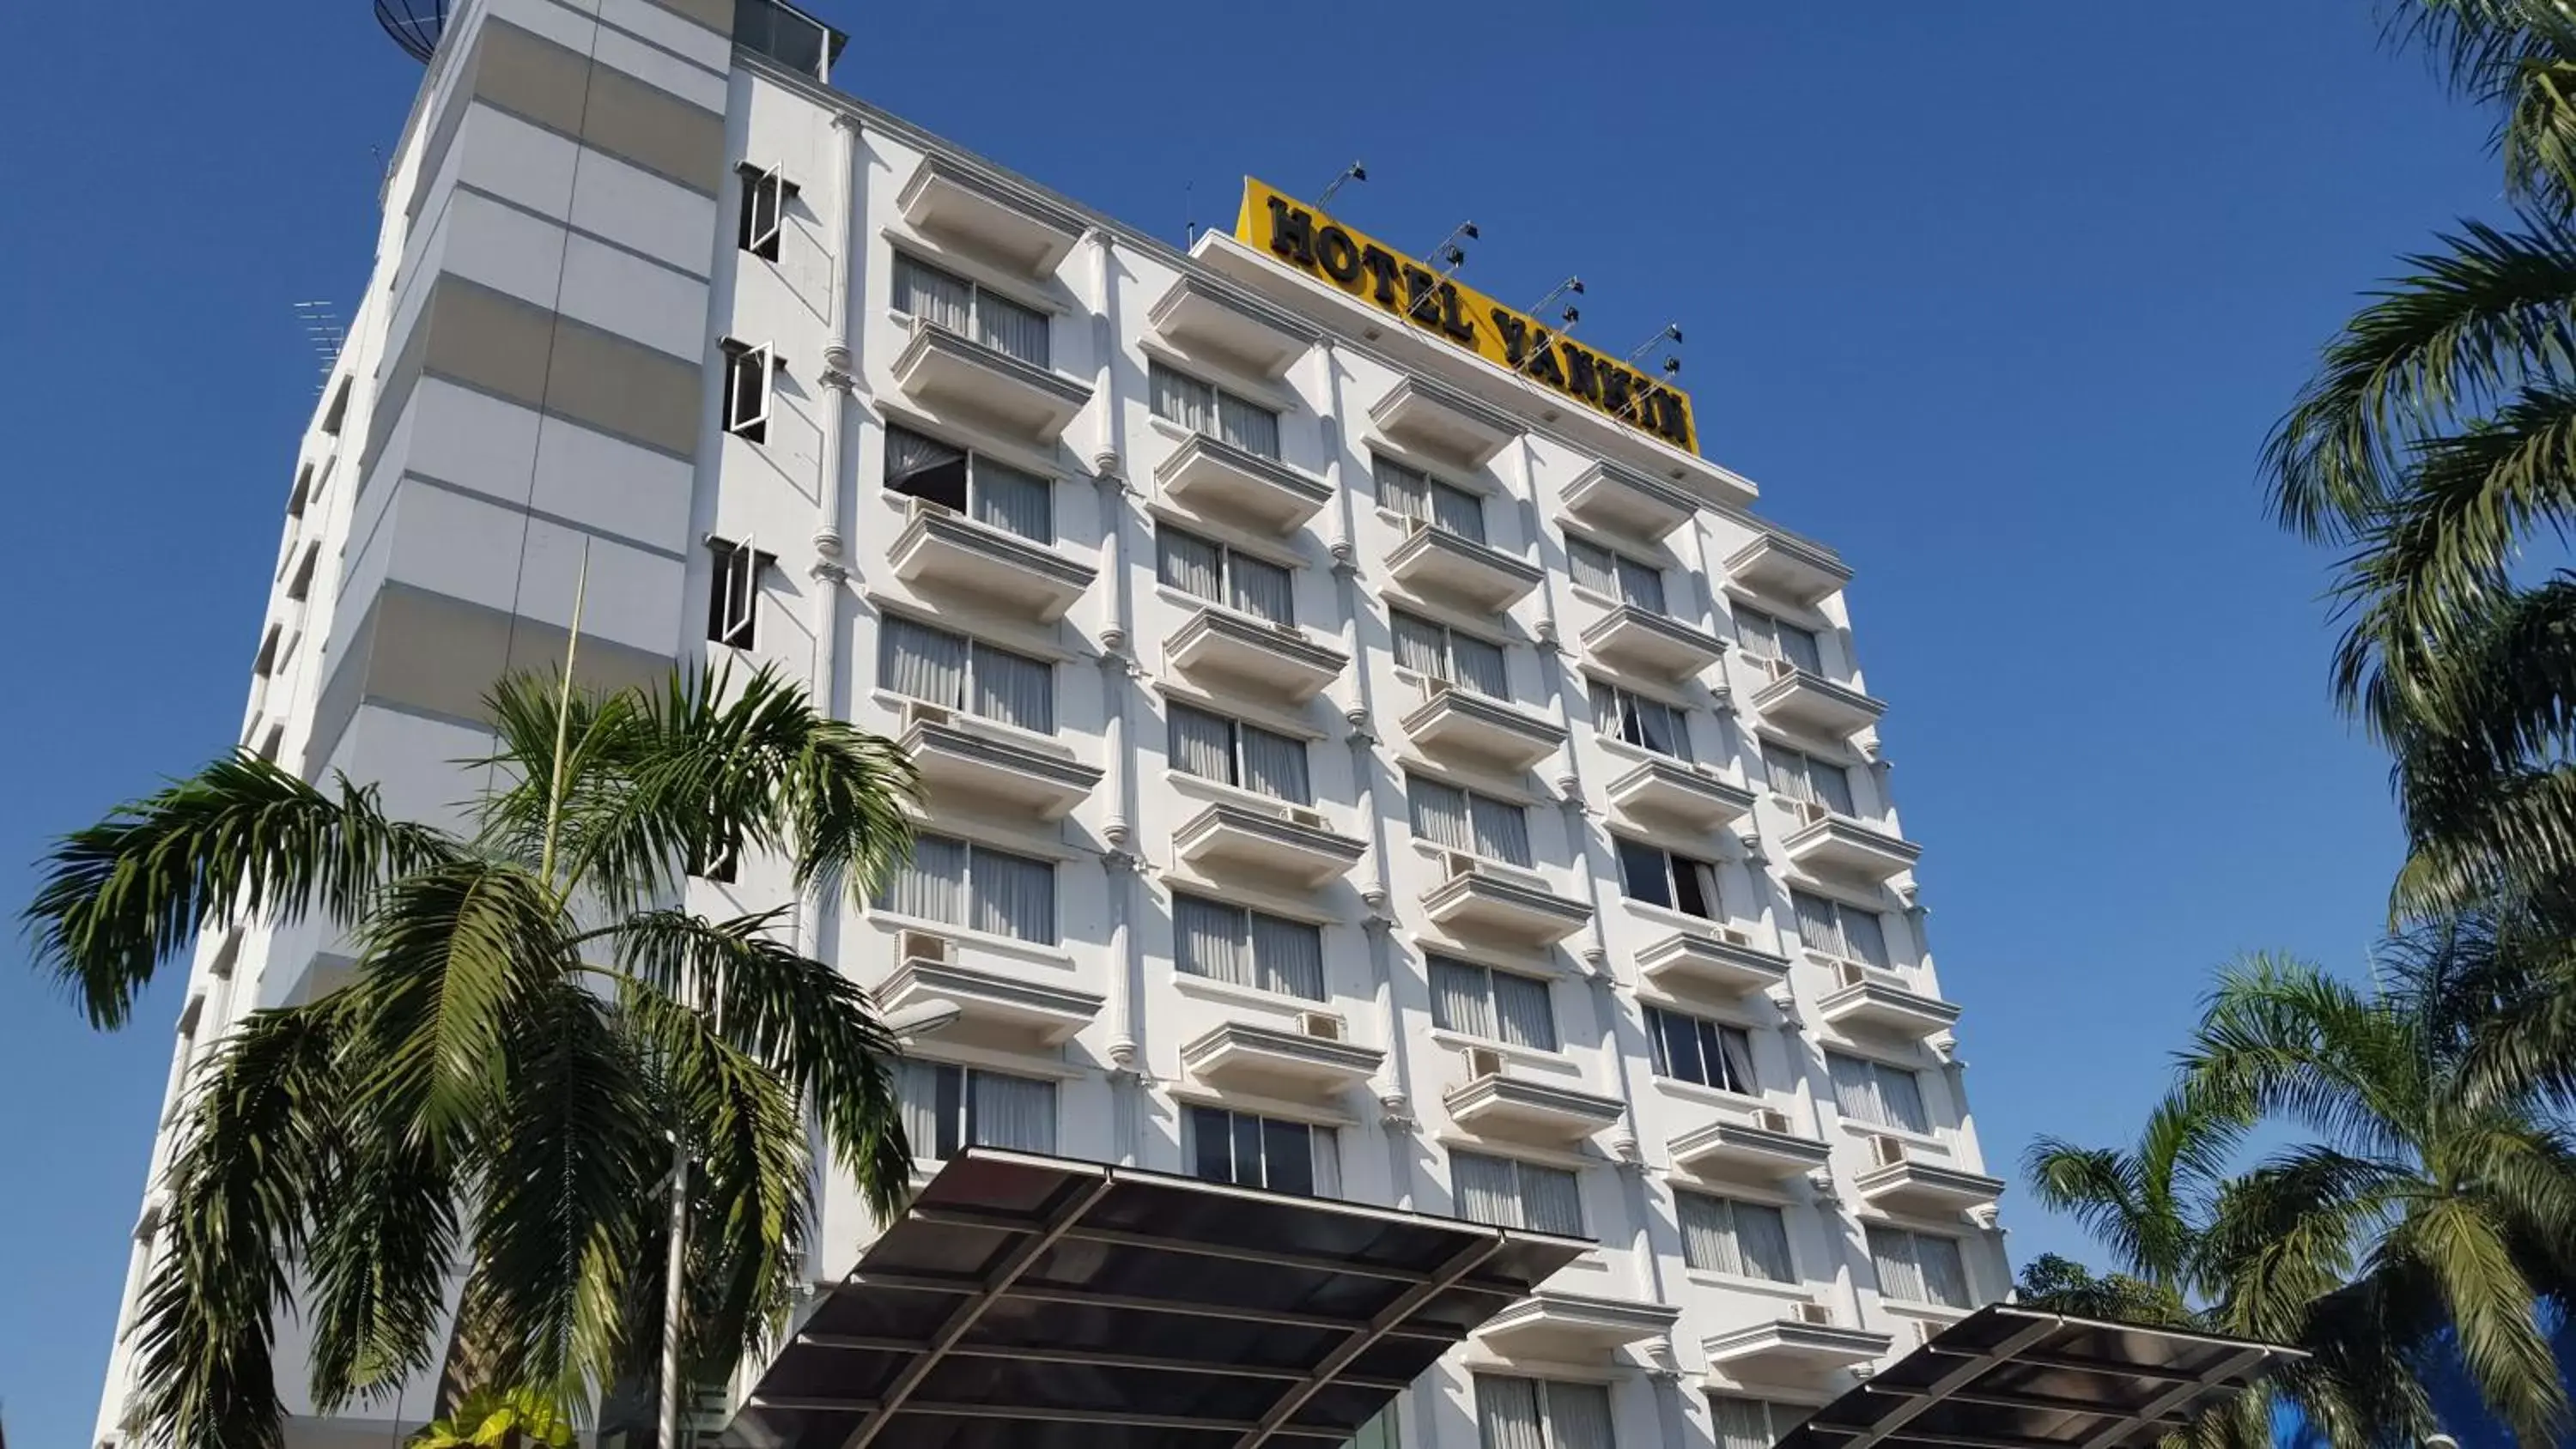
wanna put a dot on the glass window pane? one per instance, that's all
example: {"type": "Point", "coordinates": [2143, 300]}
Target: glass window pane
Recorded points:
{"type": "Point", "coordinates": [1183, 400]}
{"type": "Point", "coordinates": [1014, 690]}
{"type": "Point", "coordinates": [1578, 1416]}
{"type": "Point", "coordinates": [1551, 1200]}
{"type": "Point", "coordinates": [1458, 998]}
{"type": "Point", "coordinates": [1502, 829]}
{"type": "Point", "coordinates": [1642, 872]}
{"type": "Point", "coordinates": [1798, 646]}
{"type": "Point", "coordinates": [1902, 1098]}
{"type": "Point", "coordinates": [919, 662]}
{"type": "Point", "coordinates": [1741, 1423]}
{"type": "Point", "coordinates": [1866, 935]}
{"type": "Point", "coordinates": [1762, 1242]}
{"type": "Point", "coordinates": [1591, 566]}
{"type": "Point", "coordinates": [1420, 645]}
{"type": "Point", "coordinates": [1440, 813]}
{"type": "Point", "coordinates": [1289, 955]}
{"type": "Point", "coordinates": [1695, 888]}
{"type": "Point", "coordinates": [1013, 896]}
{"type": "Point", "coordinates": [1680, 1040]}
{"type": "Point", "coordinates": [1507, 1414]}
{"type": "Point", "coordinates": [1207, 940]}
{"type": "Point", "coordinates": [931, 885]}
{"type": "Point", "coordinates": [1641, 584]}
{"type": "Point", "coordinates": [1014, 1112]}
{"type": "Point", "coordinates": [1263, 589]}
{"type": "Point", "coordinates": [1211, 1145]}
{"type": "Point", "coordinates": [1945, 1277]}
{"type": "Point", "coordinates": [1403, 489]}
{"type": "Point", "coordinates": [925, 468]}
{"type": "Point", "coordinates": [1275, 765]}
{"type": "Point", "coordinates": [1735, 1055]}
{"type": "Point", "coordinates": [1191, 564]}
{"type": "Point", "coordinates": [1013, 501]}
{"type": "Point", "coordinates": [1250, 427]}
{"type": "Point", "coordinates": [1524, 1010]}
{"type": "Point", "coordinates": [1819, 924]}
{"type": "Point", "coordinates": [1856, 1089]}
{"type": "Point", "coordinates": [1287, 1158]}
{"type": "Point", "coordinates": [1484, 1190]}
{"type": "Point", "coordinates": [1708, 1234]}
{"type": "Point", "coordinates": [1891, 1252]}
{"type": "Point", "coordinates": [1832, 785]}
{"type": "Point", "coordinates": [1479, 666]}
{"type": "Point", "coordinates": [1458, 511]}
{"type": "Point", "coordinates": [933, 295]}
{"type": "Point", "coordinates": [1007, 327]}
{"type": "Point", "coordinates": [1202, 744]}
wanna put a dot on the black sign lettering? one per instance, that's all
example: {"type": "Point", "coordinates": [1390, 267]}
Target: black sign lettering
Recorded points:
{"type": "Point", "coordinates": [1292, 232]}
{"type": "Point", "coordinates": [1582, 374]}
{"type": "Point", "coordinates": [1514, 330]}
{"type": "Point", "coordinates": [1421, 299]}
{"type": "Point", "coordinates": [1616, 382]}
{"type": "Point", "coordinates": [1543, 365]}
{"type": "Point", "coordinates": [1453, 317]}
{"type": "Point", "coordinates": [1339, 255]}
{"type": "Point", "coordinates": [1672, 417]}
{"type": "Point", "coordinates": [1379, 263]}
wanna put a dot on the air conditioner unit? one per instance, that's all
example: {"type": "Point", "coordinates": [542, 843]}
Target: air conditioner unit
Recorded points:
{"type": "Point", "coordinates": [1483, 1062]}
{"type": "Point", "coordinates": [1321, 1025]}
{"type": "Point", "coordinates": [1455, 863]}
{"type": "Point", "coordinates": [920, 712]}
{"type": "Point", "coordinates": [1733, 936]}
{"type": "Point", "coordinates": [928, 947]}
{"type": "Point", "coordinates": [1772, 1119]}
{"type": "Point", "coordinates": [920, 506]}
{"type": "Point", "coordinates": [1851, 973]}
{"type": "Point", "coordinates": [1779, 668]}
{"type": "Point", "coordinates": [1886, 1151]}
{"type": "Point", "coordinates": [1812, 811]}
{"type": "Point", "coordinates": [1925, 1331]}
{"type": "Point", "coordinates": [1814, 1312]}
{"type": "Point", "coordinates": [1291, 630]}
{"type": "Point", "coordinates": [1311, 819]}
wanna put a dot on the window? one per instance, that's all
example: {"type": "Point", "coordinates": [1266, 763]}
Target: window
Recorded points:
{"type": "Point", "coordinates": [946, 1108]}
{"type": "Point", "coordinates": [733, 592]}
{"type": "Point", "coordinates": [1496, 1005]}
{"type": "Point", "coordinates": [945, 300]}
{"type": "Point", "coordinates": [1500, 1192]}
{"type": "Point", "coordinates": [1456, 819]}
{"type": "Point", "coordinates": [1440, 652]}
{"type": "Point", "coordinates": [1878, 1094]}
{"type": "Point", "coordinates": [1836, 929]}
{"type": "Point", "coordinates": [748, 371]}
{"type": "Point", "coordinates": [970, 483]}
{"type": "Point", "coordinates": [1183, 399]}
{"type": "Point", "coordinates": [1764, 637]}
{"type": "Point", "coordinates": [1721, 1235]}
{"type": "Point", "coordinates": [1213, 747]}
{"type": "Point", "coordinates": [1669, 879]}
{"type": "Point", "coordinates": [1221, 575]}
{"type": "Point", "coordinates": [1379, 1432]}
{"type": "Point", "coordinates": [1247, 948]}
{"type": "Point", "coordinates": [1649, 724]}
{"type": "Point", "coordinates": [1428, 501]}
{"type": "Point", "coordinates": [1541, 1414]}
{"type": "Point", "coordinates": [765, 195]}
{"type": "Point", "coordinates": [1690, 1049]}
{"type": "Point", "coordinates": [1753, 1424]}
{"type": "Point", "coordinates": [303, 493]}
{"type": "Point", "coordinates": [720, 867]}
{"type": "Point", "coordinates": [957, 883]}
{"type": "Point", "coordinates": [300, 587]}
{"type": "Point", "coordinates": [935, 666]}
{"type": "Point", "coordinates": [336, 413]}
{"type": "Point", "coordinates": [1615, 575]}
{"type": "Point", "coordinates": [1249, 1151]}
{"type": "Point", "coordinates": [1919, 1267]}
{"type": "Point", "coordinates": [1808, 780]}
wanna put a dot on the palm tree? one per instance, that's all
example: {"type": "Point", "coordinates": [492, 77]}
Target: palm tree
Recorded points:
{"type": "Point", "coordinates": [2439, 438]}
{"type": "Point", "coordinates": [504, 1419]}
{"type": "Point", "coordinates": [530, 1022]}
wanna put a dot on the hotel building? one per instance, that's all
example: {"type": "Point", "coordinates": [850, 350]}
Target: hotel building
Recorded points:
{"type": "Point", "coordinates": [1354, 765]}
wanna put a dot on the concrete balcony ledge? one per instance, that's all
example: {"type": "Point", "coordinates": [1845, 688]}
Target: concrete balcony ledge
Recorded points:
{"type": "Point", "coordinates": [1899, 1182]}
{"type": "Point", "coordinates": [1440, 564]}
{"type": "Point", "coordinates": [1652, 643]}
{"type": "Point", "coordinates": [1837, 845]}
{"type": "Point", "coordinates": [947, 202]}
{"type": "Point", "coordinates": [1519, 1110]}
{"type": "Point", "coordinates": [1480, 901]}
{"type": "Point", "coordinates": [989, 1004]}
{"type": "Point", "coordinates": [1796, 1347]}
{"type": "Point", "coordinates": [1876, 1000]}
{"type": "Point", "coordinates": [1749, 1151]}
{"type": "Point", "coordinates": [1727, 964]}
{"type": "Point", "coordinates": [1659, 791]}
{"type": "Point", "coordinates": [1609, 496]}
{"type": "Point", "coordinates": [1301, 850]}
{"type": "Point", "coordinates": [1277, 659]}
{"type": "Point", "coordinates": [960, 758]}
{"type": "Point", "coordinates": [1421, 414]}
{"type": "Point", "coordinates": [1196, 316]}
{"type": "Point", "coordinates": [1269, 1059]}
{"type": "Point", "coordinates": [1221, 480]}
{"type": "Point", "coordinates": [943, 549]}
{"type": "Point", "coordinates": [1785, 566]}
{"type": "Point", "coordinates": [1809, 701]}
{"type": "Point", "coordinates": [1558, 1326]}
{"type": "Point", "coordinates": [1453, 719]}
{"type": "Point", "coordinates": [952, 374]}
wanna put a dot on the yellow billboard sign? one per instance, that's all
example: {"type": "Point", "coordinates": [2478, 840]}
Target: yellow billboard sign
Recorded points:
{"type": "Point", "coordinates": [1298, 235]}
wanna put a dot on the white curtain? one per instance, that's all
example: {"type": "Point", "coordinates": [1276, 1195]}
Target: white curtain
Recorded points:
{"type": "Point", "coordinates": [1289, 955]}
{"type": "Point", "coordinates": [918, 662]}
{"type": "Point", "coordinates": [1578, 1416]}
{"type": "Point", "coordinates": [934, 296]}
{"type": "Point", "coordinates": [1502, 829]}
{"type": "Point", "coordinates": [1902, 1097]}
{"type": "Point", "coordinates": [1484, 1189]}
{"type": "Point", "coordinates": [1202, 744]}
{"type": "Point", "coordinates": [1741, 1423]}
{"type": "Point", "coordinates": [1207, 940]}
{"type": "Point", "coordinates": [1551, 1200]}
{"type": "Point", "coordinates": [1820, 925]}
{"type": "Point", "coordinates": [1507, 1414]}
{"type": "Point", "coordinates": [1891, 1251]}
{"type": "Point", "coordinates": [1010, 1111]}
{"type": "Point", "coordinates": [1479, 666]}
{"type": "Point", "coordinates": [931, 885]}
{"type": "Point", "coordinates": [1661, 728]}
{"type": "Point", "coordinates": [1191, 564]}
{"type": "Point", "coordinates": [916, 1086]}
{"type": "Point", "coordinates": [1262, 589]}
{"type": "Point", "coordinates": [1251, 428]}
{"type": "Point", "coordinates": [1708, 1233]}
{"type": "Point", "coordinates": [1014, 690]}
{"type": "Point", "coordinates": [1420, 645]}
{"type": "Point", "coordinates": [1641, 584]}
{"type": "Point", "coordinates": [1945, 1277]}
{"type": "Point", "coordinates": [1458, 1001]}
{"type": "Point", "coordinates": [1736, 1051]}
{"type": "Point", "coordinates": [1458, 511]}
{"type": "Point", "coordinates": [1856, 1089]}
{"type": "Point", "coordinates": [1866, 935]}
{"type": "Point", "coordinates": [1013, 501]}
{"type": "Point", "coordinates": [1757, 633]}
{"type": "Point", "coordinates": [1523, 1010]}
{"type": "Point", "coordinates": [1762, 1241]}
{"type": "Point", "coordinates": [1405, 490]}
{"type": "Point", "coordinates": [1014, 896]}
{"type": "Point", "coordinates": [1440, 813]}
{"type": "Point", "coordinates": [1798, 646]}
{"type": "Point", "coordinates": [1592, 566]}
{"type": "Point", "coordinates": [1832, 785]}
{"type": "Point", "coordinates": [1275, 765]}
{"type": "Point", "coordinates": [1008, 327]}
{"type": "Point", "coordinates": [1328, 1161]}
{"type": "Point", "coordinates": [1181, 399]}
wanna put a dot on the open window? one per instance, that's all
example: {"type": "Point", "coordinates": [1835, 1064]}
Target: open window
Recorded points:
{"type": "Point", "coordinates": [748, 389]}
{"type": "Point", "coordinates": [733, 595]}
{"type": "Point", "coordinates": [765, 195]}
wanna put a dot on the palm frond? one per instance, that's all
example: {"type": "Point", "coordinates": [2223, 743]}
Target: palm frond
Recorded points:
{"type": "Point", "coordinates": [241, 836]}
{"type": "Point", "coordinates": [2279, 1036]}
{"type": "Point", "coordinates": [382, 1240]}
{"type": "Point", "coordinates": [2492, 1309]}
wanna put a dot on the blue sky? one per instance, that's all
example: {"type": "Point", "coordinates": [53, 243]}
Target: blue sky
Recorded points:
{"type": "Point", "coordinates": [1999, 299]}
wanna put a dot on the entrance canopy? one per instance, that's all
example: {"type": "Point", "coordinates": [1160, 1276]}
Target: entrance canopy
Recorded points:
{"type": "Point", "coordinates": [1043, 1303]}
{"type": "Point", "coordinates": [2011, 1378]}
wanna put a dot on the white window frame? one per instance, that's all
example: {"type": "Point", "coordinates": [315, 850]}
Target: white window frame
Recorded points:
{"type": "Point", "coordinates": [975, 649]}
{"type": "Point", "coordinates": [1843, 910]}
{"type": "Point", "coordinates": [733, 612]}
{"type": "Point", "coordinates": [765, 194]}
{"type": "Point", "coordinates": [1433, 961]}
{"type": "Point", "coordinates": [975, 460]}
{"type": "Point", "coordinates": [1712, 891]}
{"type": "Point", "coordinates": [964, 1126]}
{"type": "Point", "coordinates": [1323, 1149]}
{"type": "Point", "coordinates": [1468, 801]}
{"type": "Point", "coordinates": [1449, 635]}
{"type": "Point", "coordinates": [1236, 775]}
{"type": "Point", "coordinates": [1774, 625]}
{"type": "Point", "coordinates": [1520, 1193]}
{"type": "Point", "coordinates": [1734, 1205]}
{"type": "Point", "coordinates": [976, 292]}
{"type": "Point", "coordinates": [1433, 486]}
{"type": "Point", "coordinates": [1662, 602]}
{"type": "Point", "coordinates": [1804, 765]}
{"type": "Point", "coordinates": [1877, 1069]}
{"type": "Point", "coordinates": [966, 898]}
{"type": "Point", "coordinates": [1226, 554]}
{"type": "Point", "coordinates": [1248, 942]}
{"type": "Point", "coordinates": [1217, 398]}
{"type": "Point", "coordinates": [744, 417]}
{"type": "Point", "coordinates": [1626, 704]}
{"type": "Point", "coordinates": [1913, 1239]}
{"type": "Point", "coordinates": [1659, 1053]}
{"type": "Point", "coordinates": [1777, 1418]}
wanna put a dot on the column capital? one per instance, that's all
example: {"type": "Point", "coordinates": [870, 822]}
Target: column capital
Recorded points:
{"type": "Point", "coordinates": [837, 364]}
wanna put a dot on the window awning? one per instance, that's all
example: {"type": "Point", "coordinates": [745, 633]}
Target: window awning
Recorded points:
{"type": "Point", "coordinates": [1043, 1303]}
{"type": "Point", "coordinates": [2013, 1378]}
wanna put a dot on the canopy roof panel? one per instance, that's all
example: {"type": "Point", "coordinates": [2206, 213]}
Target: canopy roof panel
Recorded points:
{"type": "Point", "coordinates": [2012, 1378]}
{"type": "Point", "coordinates": [1042, 1302]}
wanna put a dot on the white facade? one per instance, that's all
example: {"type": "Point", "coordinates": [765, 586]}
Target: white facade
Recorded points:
{"type": "Point", "coordinates": [541, 369]}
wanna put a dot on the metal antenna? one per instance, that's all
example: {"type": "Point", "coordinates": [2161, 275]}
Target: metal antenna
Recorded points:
{"type": "Point", "coordinates": [1189, 215]}
{"type": "Point", "coordinates": [324, 334]}
{"type": "Point", "coordinates": [1353, 172]}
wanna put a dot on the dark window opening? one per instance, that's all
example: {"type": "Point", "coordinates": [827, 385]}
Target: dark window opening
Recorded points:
{"type": "Point", "coordinates": [733, 593]}
{"type": "Point", "coordinates": [765, 197]}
